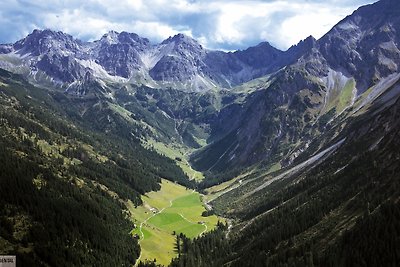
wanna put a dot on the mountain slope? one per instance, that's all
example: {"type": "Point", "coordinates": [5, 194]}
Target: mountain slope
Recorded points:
{"type": "Point", "coordinates": [65, 185]}
{"type": "Point", "coordinates": [291, 107]}
{"type": "Point", "coordinates": [328, 208]}
{"type": "Point", "coordinates": [369, 37]}
{"type": "Point", "coordinates": [329, 196]}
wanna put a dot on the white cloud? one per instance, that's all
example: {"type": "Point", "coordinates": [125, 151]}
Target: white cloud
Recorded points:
{"type": "Point", "coordinates": [155, 30]}
{"type": "Point", "coordinates": [233, 25]}
{"type": "Point", "coordinates": [317, 24]}
{"type": "Point", "coordinates": [216, 24]}
{"type": "Point", "coordinates": [282, 23]}
{"type": "Point", "coordinates": [306, 20]}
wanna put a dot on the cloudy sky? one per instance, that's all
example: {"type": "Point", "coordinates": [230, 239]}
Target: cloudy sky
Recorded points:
{"type": "Point", "coordinates": [218, 24]}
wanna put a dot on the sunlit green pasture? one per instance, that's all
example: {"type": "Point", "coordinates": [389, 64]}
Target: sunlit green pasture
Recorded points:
{"type": "Point", "coordinates": [172, 210]}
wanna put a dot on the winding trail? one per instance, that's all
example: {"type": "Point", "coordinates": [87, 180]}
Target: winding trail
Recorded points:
{"type": "Point", "coordinates": [205, 229]}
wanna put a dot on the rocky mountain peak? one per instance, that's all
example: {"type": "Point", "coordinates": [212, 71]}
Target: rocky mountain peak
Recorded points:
{"type": "Point", "coordinates": [183, 42]}
{"type": "Point", "coordinates": [46, 41]}
{"type": "Point", "coordinates": [309, 42]}
{"type": "Point", "coordinates": [179, 38]}
{"type": "Point", "coordinates": [303, 47]}
{"type": "Point", "coordinates": [265, 45]}
{"type": "Point", "coordinates": [110, 37]}
{"type": "Point", "coordinates": [263, 56]}
{"type": "Point", "coordinates": [261, 48]}
{"type": "Point", "coordinates": [182, 60]}
{"type": "Point", "coordinates": [132, 39]}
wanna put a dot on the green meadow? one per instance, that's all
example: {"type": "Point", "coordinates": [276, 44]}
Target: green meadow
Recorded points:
{"type": "Point", "coordinates": [172, 210]}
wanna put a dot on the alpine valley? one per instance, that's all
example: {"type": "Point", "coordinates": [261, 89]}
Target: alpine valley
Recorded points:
{"type": "Point", "coordinates": [297, 152]}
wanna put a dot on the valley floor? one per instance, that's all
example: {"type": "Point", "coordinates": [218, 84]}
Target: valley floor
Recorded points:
{"type": "Point", "coordinates": [172, 210]}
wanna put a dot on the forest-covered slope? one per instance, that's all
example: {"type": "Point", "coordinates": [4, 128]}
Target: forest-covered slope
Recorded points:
{"type": "Point", "coordinates": [339, 209]}
{"type": "Point", "coordinates": [64, 184]}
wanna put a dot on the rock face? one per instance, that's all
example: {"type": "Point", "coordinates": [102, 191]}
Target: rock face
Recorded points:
{"type": "Point", "coordinates": [47, 42]}
{"type": "Point", "coordinates": [52, 52]}
{"type": "Point", "coordinates": [119, 54]}
{"type": "Point", "coordinates": [369, 37]}
{"type": "Point", "coordinates": [182, 61]}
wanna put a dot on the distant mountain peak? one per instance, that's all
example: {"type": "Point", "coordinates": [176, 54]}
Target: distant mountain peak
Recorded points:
{"type": "Point", "coordinates": [309, 42]}
{"type": "Point", "coordinates": [43, 41]}
{"type": "Point", "coordinates": [47, 33]}
{"type": "Point", "coordinates": [309, 39]}
{"type": "Point", "coordinates": [264, 44]}
{"type": "Point", "coordinates": [114, 37]}
{"type": "Point", "coordinates": [181, 38]}
{"type": "Point", "coordinates": [110, 37]}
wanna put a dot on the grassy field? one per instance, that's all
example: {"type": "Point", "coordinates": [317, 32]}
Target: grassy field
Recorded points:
{"type": "Point", "coordinates": [173, 209]}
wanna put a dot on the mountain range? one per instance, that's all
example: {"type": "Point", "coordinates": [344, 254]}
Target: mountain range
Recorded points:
{"type": "Point", "coordinates": [179, 61]}
{"type": "Point", "coordinates": [298, 148]}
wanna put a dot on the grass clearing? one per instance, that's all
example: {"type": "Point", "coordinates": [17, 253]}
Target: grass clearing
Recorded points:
{"type": "Point", "coordinates": [346, 95]}
{"type": "Point", "coordinates": [176, 152]}
{"type": "Point", "coordinates": [172, 209]}
{"type": "Point", "coordinates": [123, 112]}
{"type": "Point", "coordinates": [340, 98]}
